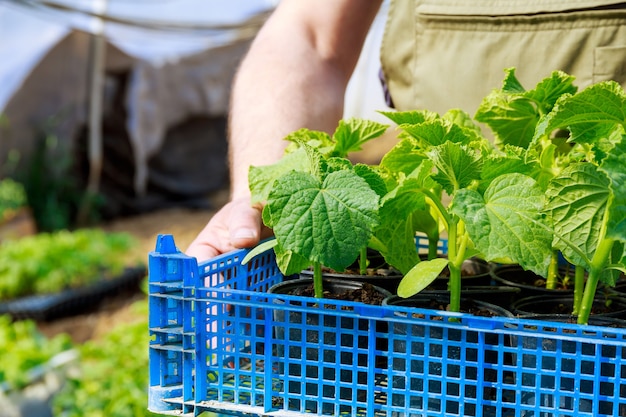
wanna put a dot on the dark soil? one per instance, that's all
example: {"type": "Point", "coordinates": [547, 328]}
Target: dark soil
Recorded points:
{"type": "Point", "coordinates": [566, 308]}
{"type": "Point", "coordinates": [367, 294]}
{"type": "Point", "coordinates": [385, 271]}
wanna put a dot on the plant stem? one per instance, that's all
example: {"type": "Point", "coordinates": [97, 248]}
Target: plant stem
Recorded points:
{"type": "Point", "coordinates": [455, 260]}
{"type": "Point", "coordinates": [579, 287]}
{"type": "Point", "coordinates": [363, 261]}
{"type": "Point", "coordinates": [433, 244]}
{"type": "Point", "coordinates": [318, 286]}
{"type": "Point", "coordinates": [599, 261]}
{"type": "Point", "coordinates": [553, 271]}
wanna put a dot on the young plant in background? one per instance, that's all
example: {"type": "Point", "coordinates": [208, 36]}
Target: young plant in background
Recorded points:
{"type": "Point", "coordinates": [512, 113]}
{"type": "Point", "coordinates": [587, 200]}
{"type": "Point", "coordinates": [322, 208]}
{"type": "Point", "coordinates": [492, 196]}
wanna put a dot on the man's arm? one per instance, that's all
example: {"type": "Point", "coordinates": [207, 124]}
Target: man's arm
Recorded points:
{"type": "Point", "coordinates": [294, 76]}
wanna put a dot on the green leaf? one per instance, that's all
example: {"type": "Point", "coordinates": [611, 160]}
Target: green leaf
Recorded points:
{"type": "Point", "coordinates": [318, 164]}
{"type": "Point", "coordinates": [411, 117]}
{"type": "Point", "coordinates": [372, 177]}
{"type": "Point", "coordinates": [614, 166]}
{"type": "Point", "coordinates": [326, 222]}
{"type": "Point", "coordinates": [457, 166]}
{"type": "Point", "coordinates": [290, 262]}
{"type": "Point", "coordinates": [550, 89]}
{"type": "Point", "coordinates": [513, 113]}
{"type": "Point", "coordinates": [351, 134]}
{"type": "Point", "coordinates": [314, 138]}
{"type": "Point", "coordinates": [512, 118]}
{"type": "Point", "coordinates": [421, 276]}
{"type": "Point", "coordinates": [402, 158]}
{"type": "Point", "coordinates": [511, 160]}
{"type": "Point", "coordinates": [465, 122]}
{"type": "Point", "coordinates": [261, 178]}
{"type": "Point", "coordinates": [594, 113]}
{"type": "Point", "coordinates": [408, 196]}
{"type": "Point", "coordinates": [398, 238]}
{"type": "Point", "coordinates": [511, 84]}
{"type": "Point", "coordinates": [259, 249]}
{"type": "Point", "coordinates": [507, 222]}
{"type": "Point", "coordinates": [576, 200]}
{"type": "Point", "coordinates": [437, 132]}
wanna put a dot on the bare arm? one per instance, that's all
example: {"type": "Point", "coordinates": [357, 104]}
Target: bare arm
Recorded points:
{"type": "Point", "coordinates": [294, 76]}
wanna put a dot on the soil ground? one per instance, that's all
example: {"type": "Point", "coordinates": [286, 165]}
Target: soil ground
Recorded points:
{"type": "Point", "coordinates": [184, 224]}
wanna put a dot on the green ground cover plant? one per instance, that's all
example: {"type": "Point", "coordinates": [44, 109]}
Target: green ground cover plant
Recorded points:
{"type": "Point", "coordinates": [51, 262]}
{"type": "Point", "coordinates": [23, 349]}
{"type": "Point", "coordinates": [112, 377]}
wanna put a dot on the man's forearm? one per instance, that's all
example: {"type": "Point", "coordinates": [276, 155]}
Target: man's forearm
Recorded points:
{"type": "Point", "coordinates": [268, 105]}
{"type": "Point", "coordinates": [291, 78]}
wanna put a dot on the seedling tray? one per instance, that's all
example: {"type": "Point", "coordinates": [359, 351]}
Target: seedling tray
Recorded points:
{"type": "Point", "coordinates": [221, 343]}
{"type": "Point", "coordinates": [72, 301]}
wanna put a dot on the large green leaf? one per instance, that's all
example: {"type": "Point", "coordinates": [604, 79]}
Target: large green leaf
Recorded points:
{"type": "Point", "coordinates": [590, 115]}
{"type": "Point", "coordinates": [457, 166]}
{"type": "Point", "coordinates": [261, 178]}
{"type": "Point", "coordinates": [576, 200]}
{"type": "Point", "coordinates": [511, 159]}
{"type": "Point", "coordinates": [512, 113]}
{"type": "Point", "coordinates": [436, 132]}
{"type": "Point", "coordinates": [614, 166]}
{"type": "Point", "coordinates": [403, 157]}
{"type": "Point", "coordinates": [408, 195]}
{"type": "Point", "coordinates": [550, 89]}
{"type": "Point", "coordinates": [512, 118]}
{"type": "Point", "coordinates": [507, 222]}
{"type": "Point", "coordinates": [351, 134]}
{"type": "Point", "coordinates": [326, 222]}
{"type": "Point", "coordinates": [410, 117]}
{"type": "Point", "coordinates": [398, 239]}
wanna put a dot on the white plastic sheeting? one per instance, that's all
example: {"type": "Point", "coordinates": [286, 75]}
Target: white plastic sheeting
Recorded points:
{"type": "Point", "coordinates": [155, 31]}
{"type": "Point", "coordinates": [179, 53]}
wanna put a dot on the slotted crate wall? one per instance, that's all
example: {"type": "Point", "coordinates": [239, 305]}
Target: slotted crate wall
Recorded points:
{"type": "Point", "coordinates": [220, 342]}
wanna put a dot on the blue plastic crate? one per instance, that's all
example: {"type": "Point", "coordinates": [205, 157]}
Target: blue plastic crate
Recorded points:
{"type": "Point", "coordinates": [221, 343]}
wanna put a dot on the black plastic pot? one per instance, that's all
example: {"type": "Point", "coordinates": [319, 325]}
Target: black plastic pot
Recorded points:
{"type": "Point", "coordinates": [563, 305]}
{"type": "Point", "coordinates": [73, 301]}
{"type": "Point", "coordinates": [331, 336]}
{"type": "Point", "coordinates": [387, 279]}
{"type": "Point", "coordinates": [474, 272]}
{"type": "Point", "coordinates": [499, 295]}
{"type": "Point", "coordinates": [528, 282]}
{"type": "Point", "coordinates": [421, 350]}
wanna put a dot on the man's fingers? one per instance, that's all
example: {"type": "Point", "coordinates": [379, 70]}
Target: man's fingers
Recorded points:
{"type": "Point", "coordinates": [236, 225]}
{"type": "Point", "coordinates": [245, 230]}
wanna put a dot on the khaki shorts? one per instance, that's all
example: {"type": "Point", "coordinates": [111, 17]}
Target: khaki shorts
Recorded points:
{"type": "Point", "coordinates": [442, 54]}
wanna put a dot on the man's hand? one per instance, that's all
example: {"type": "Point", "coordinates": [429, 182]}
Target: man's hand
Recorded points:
{"type": "Point", "coordinates": [235, 225]}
